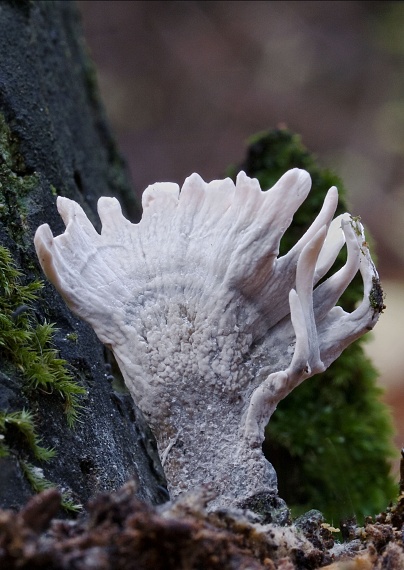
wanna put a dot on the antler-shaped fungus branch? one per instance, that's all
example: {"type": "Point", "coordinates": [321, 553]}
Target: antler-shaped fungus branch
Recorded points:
{"type": "Point", "coordinates": [210, 327]}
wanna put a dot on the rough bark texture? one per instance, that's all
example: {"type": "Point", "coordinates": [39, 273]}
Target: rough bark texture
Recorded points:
{"type": "Point", "coordinates": [54, 140]}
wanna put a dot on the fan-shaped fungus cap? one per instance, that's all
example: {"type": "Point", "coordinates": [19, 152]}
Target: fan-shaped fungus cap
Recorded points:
{"type": "Point", "coordinates": [210, 327]}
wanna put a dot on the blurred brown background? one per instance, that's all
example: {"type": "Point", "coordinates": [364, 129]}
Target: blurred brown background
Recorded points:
{"type": "Point", "coordinates": [185, 83]}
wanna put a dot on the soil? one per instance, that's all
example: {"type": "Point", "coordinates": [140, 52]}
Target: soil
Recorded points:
{"type": "Point", "coordinates": [118, 531]}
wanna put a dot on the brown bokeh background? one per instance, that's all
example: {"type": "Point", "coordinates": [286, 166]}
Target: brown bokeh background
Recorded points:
{"type": "Point", "coordinates": [185, 83]}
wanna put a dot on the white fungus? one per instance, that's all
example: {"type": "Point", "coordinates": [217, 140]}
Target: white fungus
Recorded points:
{"type": "Point", "coordinates": [211, 329]}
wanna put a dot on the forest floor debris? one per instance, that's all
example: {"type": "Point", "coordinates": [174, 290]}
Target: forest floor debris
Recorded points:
{"type": "Point", "coordinates": [118, 531]}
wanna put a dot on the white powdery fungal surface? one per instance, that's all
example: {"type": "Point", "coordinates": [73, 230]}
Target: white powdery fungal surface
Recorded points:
{"type": "Point", "coordinates": [210, 327]}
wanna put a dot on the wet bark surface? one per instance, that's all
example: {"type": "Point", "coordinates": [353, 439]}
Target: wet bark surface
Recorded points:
{"type": "Point", "coordinates": [54, 140]}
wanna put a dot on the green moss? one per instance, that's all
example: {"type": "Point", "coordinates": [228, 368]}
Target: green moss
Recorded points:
{"type": "Point", "coordinates": [23, 421]}
{"type": "Point", "coordinates": [330, 439]}
{"type": "Point", "coordinates": [27, 346]}
{"type": "Point", "coordinates": [9, 148]}
{"type": "Point", "coordinates": [38, 481]}
{"type": "Point", "coordinates": [73, 337]}
{"type": "Point", "coordinates": [16, 182]}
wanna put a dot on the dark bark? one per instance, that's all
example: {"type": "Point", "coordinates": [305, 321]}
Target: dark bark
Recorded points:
{"type": "Point", "coordinates": [54, 140]}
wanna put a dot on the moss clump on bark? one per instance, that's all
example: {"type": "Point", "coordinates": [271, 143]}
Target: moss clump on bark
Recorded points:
{"type": "Point", "coordinates": [23, 421]}
{"type": "Point", "coordinates": [26, 346]}
{"type": "Point", "coordinates": [330, 439]}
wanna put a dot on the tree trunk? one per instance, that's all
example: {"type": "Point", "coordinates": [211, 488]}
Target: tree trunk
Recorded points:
{"type": "Point", "coordinates": [54, 140]}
